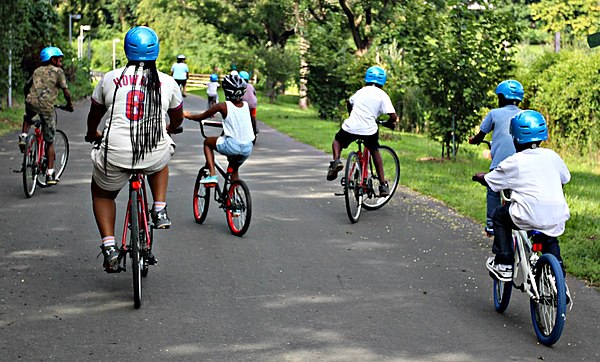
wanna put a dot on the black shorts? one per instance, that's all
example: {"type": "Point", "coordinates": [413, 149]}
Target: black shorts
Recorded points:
{"type": "Point", "coordinates": [181, 81]}
{"type": "Point", "coordinates": [346, 138]}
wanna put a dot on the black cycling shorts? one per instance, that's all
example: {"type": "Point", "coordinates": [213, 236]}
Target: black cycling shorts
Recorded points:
{"type": "Point", "coordinates": [346, 138]}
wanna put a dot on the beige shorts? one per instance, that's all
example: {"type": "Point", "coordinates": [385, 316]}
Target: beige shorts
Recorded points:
{"type": "Point", "coordinates": [116, 177]}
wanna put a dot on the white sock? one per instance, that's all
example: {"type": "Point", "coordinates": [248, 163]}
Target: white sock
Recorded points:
{"type": "Point", "coordinates": [108, 241]}
{"type": "Point", "coordinates": [158, 206]}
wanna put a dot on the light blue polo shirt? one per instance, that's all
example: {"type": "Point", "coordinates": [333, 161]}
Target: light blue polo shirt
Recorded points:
{"type": "Point", "coordinates": [180, 71]}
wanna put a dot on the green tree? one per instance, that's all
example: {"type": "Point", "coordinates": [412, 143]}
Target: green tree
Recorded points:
{"type": "Point", "coordinates": [574, 18]}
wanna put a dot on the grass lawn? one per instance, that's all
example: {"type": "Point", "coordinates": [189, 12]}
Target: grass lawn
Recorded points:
{"type": "Point", "coordinates": [450, 180]}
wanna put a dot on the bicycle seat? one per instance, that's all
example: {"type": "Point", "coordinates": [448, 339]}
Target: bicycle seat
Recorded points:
{"type": "Point", "coordinates": [235, 159]}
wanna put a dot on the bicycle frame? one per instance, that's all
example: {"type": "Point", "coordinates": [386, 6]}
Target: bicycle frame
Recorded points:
{"type": "Point", "coordinates": [364, 154]}
{"type": "Point", "coordinates": [137, 182]}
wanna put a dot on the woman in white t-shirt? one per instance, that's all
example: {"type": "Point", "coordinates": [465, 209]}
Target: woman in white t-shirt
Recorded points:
{"type": "Point", "coordinates": [238, 128]}
{"type": "Point", "coordinates": [365, 106]}
{"type": "Point", "coordinates": [138, 98]}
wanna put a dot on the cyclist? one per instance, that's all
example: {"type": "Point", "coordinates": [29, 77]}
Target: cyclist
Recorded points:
{"type": "Point", "coordinates": [250, 97]}
{"type": "Point", "coordinates": [180, 72]}
{"type": "Point", "coordinates": [138, 98]}
{"type": "Point", "coordinates": [535, 177]}
{"type": "Point", "coordinates": [211, 90]}
{"type": "Point", "coordinates": [43, 86]}
{"type": "Point", "coordinates": [365, 106]}
{"type": "Point", "coordinates": [238, 128]}
{"type": "Point", "coordinates": [510, 94]}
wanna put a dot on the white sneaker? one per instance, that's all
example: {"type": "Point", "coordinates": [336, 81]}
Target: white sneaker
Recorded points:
{"type": "Point", "coordinates": [502, 272]}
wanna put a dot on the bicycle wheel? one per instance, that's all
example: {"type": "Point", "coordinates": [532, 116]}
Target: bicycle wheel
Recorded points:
{"type": "Point", "coordinates": [134, 249]}
{"type": "Point", "coordinates": [238, 208]}
{"type": "Point", "coordinates": [353, 192]}
{"type": "Point", "coordinates": [30, 167]}
{"type": "Point", "coordinates": [502, 293]}
{"type": "Point", "coordinates": [61, 150]}
{"type": "Point", "coordinates": [549, 313]}
{"type": "Point", "coordinates": [391, 166]}
{"type": "Point", "coordinates": [201, 197]}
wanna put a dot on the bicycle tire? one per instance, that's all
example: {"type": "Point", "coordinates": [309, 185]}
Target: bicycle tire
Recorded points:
{"type": "Point", "coordinates": [201, 197]}
{"type": "Point", "coordinates": [502, 293]}
{"type": "Point", "coordinates": [145, 265]}
{"type": "Point", "coordinates": [238, 208]}
{"type": "Point", "coordinates": [353, 193]}
{"type": "Point", "coordinates": [29, 166]}
{"type": "Point", "coordinates": [134, 249]}
{"type": "Point", "coordinates": [391, 165]}
{"type": "Point", "coordinates": [61, 151]}
{"type": "Point", "coordinates": [550, 312]}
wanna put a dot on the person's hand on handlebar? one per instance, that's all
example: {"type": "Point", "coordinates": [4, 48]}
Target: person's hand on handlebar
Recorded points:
{"type": "Point", "coordinates": [93, 137]}
{"type": "Point", "coordinates": [479, 177]}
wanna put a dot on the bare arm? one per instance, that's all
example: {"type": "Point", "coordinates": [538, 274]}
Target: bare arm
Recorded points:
{"type": "Point", "coordinates": [93, 121]}
{"type": "Point", "coordinates": [176, 119]}
{"type": "Point", "coordinates": [219, 107]}
{"type": "Point", "coordinates": [67, 95]}
{"type": "Point", "coordinates": [475, 140]}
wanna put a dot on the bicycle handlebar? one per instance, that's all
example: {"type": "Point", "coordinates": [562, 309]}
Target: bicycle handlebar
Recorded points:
{"type": "Point", "coordinates": [209, 123]}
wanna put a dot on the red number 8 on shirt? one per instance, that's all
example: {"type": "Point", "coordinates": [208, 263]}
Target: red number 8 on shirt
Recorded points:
{"type": "Point", "coordinates": [135, 105]}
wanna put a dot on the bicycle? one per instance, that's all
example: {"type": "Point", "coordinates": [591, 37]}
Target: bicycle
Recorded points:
{"type": "Point", "coordinates": [361, 181]}
{"type": "Point", "coordinates": [541, 279]}
{"type": "Point", "coordinates": [35, 162]}
{"type": "Point", "coordinates": [233, 196]}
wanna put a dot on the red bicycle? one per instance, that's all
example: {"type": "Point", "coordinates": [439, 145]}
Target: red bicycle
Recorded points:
{"type": "Point", "coordinates": [361, 180]}
{"type": "Point", "coordinates": [35, 162]}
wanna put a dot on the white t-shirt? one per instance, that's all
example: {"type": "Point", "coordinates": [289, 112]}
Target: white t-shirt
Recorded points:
{"type": "Point", "coordinates": [535, 177]}
{"type": "Point", "coordinates": [238, 124]}
{"type": "Point", "coordinates": [367, 104]}
{"type": "Point", "coordinates": [211, 88]}
{"type": "Point", "coordinates": [120, 149]}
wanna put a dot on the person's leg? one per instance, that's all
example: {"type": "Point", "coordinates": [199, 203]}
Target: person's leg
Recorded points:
{"type": "Point", "coordinates": [336, 149]}
{"type": "Point", "coordinates": [105, 210]}
{"type": "Point", "coordinates": [378, 165]}
{"type": "Point", "coordinates": [27, 121]}
{"type": "Point", "coordinates": [503, 242]}
{"type": "Point", "coordinates": [493, 202]}
{"type": "Point", "coordinates": [210, 144]}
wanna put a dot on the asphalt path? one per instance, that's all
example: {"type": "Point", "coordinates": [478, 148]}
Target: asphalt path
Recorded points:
{"type": "Point", "coordinates": [406, 283]}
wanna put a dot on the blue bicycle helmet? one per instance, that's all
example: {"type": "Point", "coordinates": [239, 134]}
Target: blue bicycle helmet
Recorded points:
{"type": "Point", "coordinates": [48, 52]}
{"type": "Point", "coordinates": [141, 43]}
{"type": "Point", "coordinates": [245, 76]}
{"type": "Point", "coordinates": [528, 126]}
{"type": "Point", "coordinates": [375, 74]}
{"type": "Point", "coordinates": [511, 89]}
{"type": "Point", "coordinates": [214, 77]}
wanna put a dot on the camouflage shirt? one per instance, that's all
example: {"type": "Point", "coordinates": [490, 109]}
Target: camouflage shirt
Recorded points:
{"type": "Point", "coordinates": [46, 80]}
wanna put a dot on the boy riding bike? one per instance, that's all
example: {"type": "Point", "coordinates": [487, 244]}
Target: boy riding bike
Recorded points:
{"type": "Point", "coordinates": [535, 177]}
{"type": "Point", "coordinates": [45, 83]}
{"type": "Point", "coordinates": [139, 99]}
{"type": "Point", "coordinates": [365, 106]}
{"type": "Point", "coordinates": [510, 94]}
{"type": "Point", "coordinates": [211, 90]}
{"type": "Point", "coordinates": [238, 128]}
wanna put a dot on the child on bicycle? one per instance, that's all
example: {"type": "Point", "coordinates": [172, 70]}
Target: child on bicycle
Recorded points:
{"type": "Point", "coordinates": [211, 90]}
{"type": "Point", "coordinates": [535, 177]}
{"type": "Point", "coordinates": [510, 94]}
{"type": "Point", "coordinates": [139, 99]}
{"type": "Point", "coordinates": [365, 106]}
{"type": "Point", "coordinates": [44, 85]}
{"type": "Point", "coordinates": [250, 96]}
{"type": "Point", "coordinates": [238, 129]}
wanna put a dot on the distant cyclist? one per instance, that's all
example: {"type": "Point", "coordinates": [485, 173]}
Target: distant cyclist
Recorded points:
{"type": "Point", "coordinates": [180, 72]}
{"type": "Point", "coordinates": [138, 99]}
{"type": "Point", "coordinates": [238, 128]}
{"type": "Point", "coordinates": [510, 94]}
{"type": "Point", "coordinates": [365, 106]}
{"type": "Point", "coordinates": [44, 85]}
{"type": "Point", "coordinates": [250, 96]}
{"type": "Point", "coordinates": [211, 90]}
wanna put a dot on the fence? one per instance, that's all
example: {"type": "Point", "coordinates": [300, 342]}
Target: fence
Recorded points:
{"type": "Point", "coordinates": [199, 80]}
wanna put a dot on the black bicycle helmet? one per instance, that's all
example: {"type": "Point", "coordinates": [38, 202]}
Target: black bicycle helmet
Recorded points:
{"type": "Point", "coordinates": [234, 87]}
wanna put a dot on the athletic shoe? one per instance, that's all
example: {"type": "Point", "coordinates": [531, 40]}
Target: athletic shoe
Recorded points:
{"type": "Point", "coordinates": [384, 190]}
{"type": "Point", "coordinates": [334, 167]}
{"type": "Point", "coordinates": [502, 272]}
{"type": "Point", "coordinates": [111, 258]}
{"type": "Point", "coordinates": [210, 180]}
{"type": "Point", "coordinates": [160, 219]}
{"type": "Point", "coordinates": [51, 178]}
{"type": "Point", "coordinates": [489, 231]}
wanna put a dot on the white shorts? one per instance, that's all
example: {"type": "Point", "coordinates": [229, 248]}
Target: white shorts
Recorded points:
{"type": "Point", "coordinates": [116, 177]}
